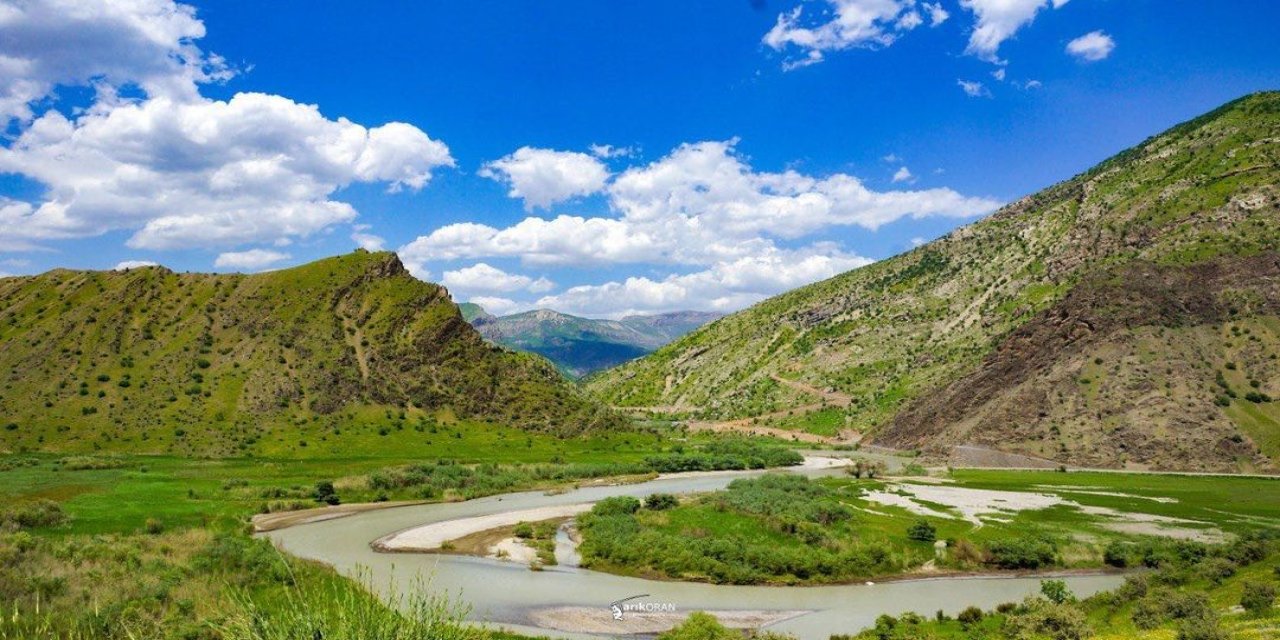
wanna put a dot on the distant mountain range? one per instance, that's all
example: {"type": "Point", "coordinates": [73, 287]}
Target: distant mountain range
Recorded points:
{"type": "Point", "coordinates": [1129, 316]}
{"type": "Point", "coordinates": [581, 346]}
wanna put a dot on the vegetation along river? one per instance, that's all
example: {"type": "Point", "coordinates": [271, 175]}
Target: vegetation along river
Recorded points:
{"type": "Point", "coordinates": [565, 601]}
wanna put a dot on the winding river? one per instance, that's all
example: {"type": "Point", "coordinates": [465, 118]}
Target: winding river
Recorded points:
{"type": "Point", "coordinates": [512, 596]}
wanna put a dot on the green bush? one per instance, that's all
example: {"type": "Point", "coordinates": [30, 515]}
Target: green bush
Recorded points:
{"type": "Point", "coordinates": [660, 502]}
{"type": "Point", "coordinates": [616, 505]}
{"type": "Point", "coordinates": [1024, 552]}
{"type": "Point", "coordinates": [970, 616]}
{"type": "Point", "coordinates": [923, 531]}
{"type": "Point", "coordinates": [700, 626]}
{"type": "Point", "coordinates": [1258, 597]}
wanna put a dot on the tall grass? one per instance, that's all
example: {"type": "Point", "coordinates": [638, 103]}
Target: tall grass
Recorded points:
{"type": "Point", "coordinates": [339, 609]}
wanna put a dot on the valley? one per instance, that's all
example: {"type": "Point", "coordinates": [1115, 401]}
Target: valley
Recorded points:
{"type": "Point", "coordinates": [1057, 422]}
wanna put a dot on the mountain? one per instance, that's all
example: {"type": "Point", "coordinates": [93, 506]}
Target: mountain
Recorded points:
{"type": "Point", "coordinates": [148, 360]}
{"type": "Point", "coordinates": [579, 346]}
{"type": "Point", "coordinates": [1125, 317]}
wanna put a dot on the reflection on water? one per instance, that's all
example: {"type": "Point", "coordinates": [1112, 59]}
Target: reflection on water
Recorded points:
{"type": "Point", "coordinates": [505, 593]}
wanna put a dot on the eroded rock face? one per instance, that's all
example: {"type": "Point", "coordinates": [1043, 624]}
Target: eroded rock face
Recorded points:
{"type": "Point", "coordinates": [1083, 383]}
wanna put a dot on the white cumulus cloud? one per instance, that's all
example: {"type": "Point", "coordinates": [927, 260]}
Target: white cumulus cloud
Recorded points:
{"type": "Point", "coordinates": [543, 177]}
{"type": "Point", "coordinates": [999, 20]}
{"type": "Point", "coordinates": [133, 264]}
{"type": "Point", "coordinates": [482, 277]}
{"type": "Point", "coordinates": [700, 204]}
{"type": "Point", "coordinates": [1092, 46]}
{"type": "Point", "coordinates": [175, 168]}
{"type": "Point", "coordinates": [497, 305]}
{"type": "Point", "coordinates": [725, 286]}
{"type": "Point", "coordinates": [844, 24]}
{"type": "Point", "coordinates": [903, 174]}
{"type": "Point", "coordinates": [973, 89]}
{"type": "Point", "coordinates": [251, 260]}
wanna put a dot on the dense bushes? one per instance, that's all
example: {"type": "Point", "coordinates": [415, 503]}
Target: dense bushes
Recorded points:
{"type": "Point", "coordinates": [41, 513]}
{"type": "Point", "coordinates": [777, 528]}
{"type": "Point", "coordinates": [430, 481]}
{"type": "Point", "coordinates": [1031, 551]}
{"type": "Point", "coordinates": [721, 455]}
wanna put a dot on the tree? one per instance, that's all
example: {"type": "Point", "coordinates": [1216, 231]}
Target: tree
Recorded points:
{"type": "Point", "coordinates": [1056, 591]}
{"type": "Point", "coordinates": [325, 493]}
{"type": "Point", "coordinates": [923, 531]}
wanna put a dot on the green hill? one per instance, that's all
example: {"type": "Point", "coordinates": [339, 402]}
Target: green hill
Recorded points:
{"type": "Point", "coordinates": [580, 346]}
{"type": "Point", "coordinates": [148, 360]}
{"type": "Point", "coordinates": [1127, 316]}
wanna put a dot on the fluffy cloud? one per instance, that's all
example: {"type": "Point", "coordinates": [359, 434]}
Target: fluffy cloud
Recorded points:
{"type": "Point", "coordinates": [365, 240]}
{"type": "Point", "coordinates": [699, 205]}
{"type": "Point", "coordinates": [481, 277]}
{"type": "Point", "coordinates": [134, 264]}
{"type": "Point", "coordinates": [176, 168]}
{"type": "Point", "coordinates": [498, 305]}
{"type": "Point", "coordinates": [1092, 46]}
{"type": "Point", "coordinates": [543, 177]}
{"type": "Point", "coordinates": [903, 174]}
{"type": "Point", "coordinates": [998, 20]}
{"type": "Point", "coordinates": [726, 286]}
{"type": "Point", "coordinates": [145, 43]}
{"type": "Point", "coordinates": [937, 15]}
{"type": "Point", "coordinates": [847, 24]}
{"type": "Point", "coordinates": [973, 89]}
{"type": "Point", "coordinates": [251, 260]}
{"type": "Point", "coordinates": [607, 151]}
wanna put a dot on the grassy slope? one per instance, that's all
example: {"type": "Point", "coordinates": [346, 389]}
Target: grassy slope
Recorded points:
{"type": "Point", "coordinates": [890, 332]}
{"type": "Point", "coordinates": [152, 361]}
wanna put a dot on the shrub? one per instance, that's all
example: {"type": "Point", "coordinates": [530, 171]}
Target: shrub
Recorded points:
{"type": "Point", "coordinates": [615, 506]}
{"type": "Point", "coordinates": [923, 531]}
{"type": "Point", "coordinates": [1258, 597]}
{"type": "Point", "coordinates": [1056, 591]}
{"type": "Point", "coordinates": [41, 513]}
{"type": "Point", "coordinates": [325, 493]}
{"type": "Point", "coordinates": [1025, 552]}
{"type": "Point", "coordinates": [970, 616]}
{"type": "Point", "coordinates": [153, 527]}
{"type": "Point", "coordinates": [700, 626]}
{"type": "Point", "coordinates": [523, 530]}
{"type": "Point", "coordinates": [1042, 618]}
{"type": "Point", "coordinates": [1117, 554]}
{"type": "Point", "coordinates": [1202, 629]}
{"type": "Point", "coordinates": [660, 501]}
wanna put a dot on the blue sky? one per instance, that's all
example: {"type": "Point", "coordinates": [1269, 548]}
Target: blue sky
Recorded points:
{"type": "Point", "coordinates": [596, 157]}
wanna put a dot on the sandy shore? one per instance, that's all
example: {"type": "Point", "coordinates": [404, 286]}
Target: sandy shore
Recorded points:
{"type": "Point", "coordinates": [432, 536]}
{"type": "Point", "coordinates": [600, 620]}
{"type": "Point", "coordinates": [264, 522]}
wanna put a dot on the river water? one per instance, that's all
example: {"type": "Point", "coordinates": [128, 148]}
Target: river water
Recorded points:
{"type": "Point", "coordinates": [505, 593]}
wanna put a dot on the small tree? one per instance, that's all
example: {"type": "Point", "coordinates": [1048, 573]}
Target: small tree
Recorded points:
{"type": "Point", "coordinates": [1056, 591]}
{"type": "Point", "coordinates": [325, 493]}
{"type": "Point", "coordinates": [923, 531]}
